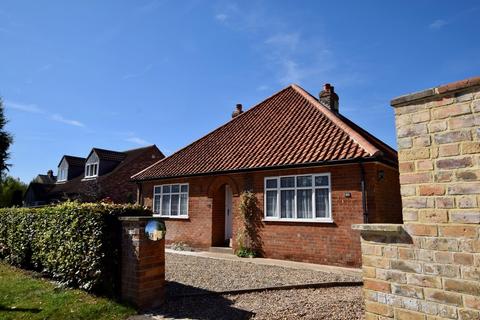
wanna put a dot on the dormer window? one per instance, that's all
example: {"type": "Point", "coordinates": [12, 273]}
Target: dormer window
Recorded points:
{"type": "Point", "coordinates": [91, 170]}
{"type": "Point", "coordinates": [62, 175]}
{"type": "Point", "coordinates": [62, 171]}
{"type": "Point", "coordinates": [91, 166]}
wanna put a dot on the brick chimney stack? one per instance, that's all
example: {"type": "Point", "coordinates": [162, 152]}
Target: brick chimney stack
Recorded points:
{"type": "Point", "coordinates": [238, 110]}
{"type": "Point", "coordinates": [329, 98]}
{"type": "Point", "coordinates": [50, 173]}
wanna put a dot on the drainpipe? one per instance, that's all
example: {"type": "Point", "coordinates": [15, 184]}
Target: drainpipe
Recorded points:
{"type": "Point", "coordinates": [139, 194]}
{"type": "Point", "coordinates": [364, 193]}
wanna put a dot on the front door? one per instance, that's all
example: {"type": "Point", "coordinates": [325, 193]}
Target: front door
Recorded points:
{"type": "Point", "coordinates": [228, 213]}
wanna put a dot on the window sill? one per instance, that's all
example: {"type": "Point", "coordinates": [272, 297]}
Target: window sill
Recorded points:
{"type": "Point", "coordinates": [89, 178]}
{"type": "Point", "coordinates": [299, 220]}
{"type": "Point", "coordinates": [171, 217]}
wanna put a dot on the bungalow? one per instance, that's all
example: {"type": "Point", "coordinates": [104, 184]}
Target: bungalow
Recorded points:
{"type": "Point", "coordinates": [313, 171]}
{"type": "Point", "coordinates": [102, 174]}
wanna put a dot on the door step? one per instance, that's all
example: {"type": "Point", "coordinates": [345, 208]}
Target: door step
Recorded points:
{"type": "Point", "coordinates": [227, 250]}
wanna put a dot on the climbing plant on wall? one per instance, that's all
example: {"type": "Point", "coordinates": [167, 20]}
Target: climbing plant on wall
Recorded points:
{"type": "Point", "coordinates": [248, 237]}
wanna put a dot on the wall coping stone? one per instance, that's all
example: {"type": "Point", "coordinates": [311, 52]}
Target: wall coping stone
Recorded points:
{"type": "Point", "coordinates": [134, 218]}
{"type": "Point", "coordinates": [379, 227]}
{"type": "Point", "coordinates": [442, 89]}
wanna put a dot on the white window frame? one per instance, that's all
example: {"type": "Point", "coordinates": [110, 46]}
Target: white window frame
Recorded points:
{"type": "Point", "coordinates": [94, 170]}
{"type": "Point", "coordinates": [158, 211]}
{"type": "Point", "coordinates": [62, 174]}
{"type": "Point", "coordinates": [277, 218]}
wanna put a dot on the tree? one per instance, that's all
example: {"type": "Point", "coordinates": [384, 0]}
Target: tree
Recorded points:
{"type": "Point", "coordinates": [11, 192]}
{"type": "Point", "coordinates": [5, 142]}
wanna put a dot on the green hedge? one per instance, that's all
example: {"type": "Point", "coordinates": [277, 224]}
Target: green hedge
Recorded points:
{"type": "Point", "coordinates": [75, 244]}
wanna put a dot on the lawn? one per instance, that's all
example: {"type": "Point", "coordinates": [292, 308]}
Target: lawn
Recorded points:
{"type": "Point", "coordinates": [25, 296]}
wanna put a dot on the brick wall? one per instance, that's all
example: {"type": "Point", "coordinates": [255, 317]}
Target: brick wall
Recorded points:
{"type": "Point", "coordinates": [429, 267]}
{"type": "Point", "coordinates": [118, 185]}
{"type": "Point", "coordinates": [326, 243]}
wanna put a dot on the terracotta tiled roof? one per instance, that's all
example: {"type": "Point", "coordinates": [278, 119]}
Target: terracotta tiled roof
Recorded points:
{"type": "Point", "coordinates": [289, 128]}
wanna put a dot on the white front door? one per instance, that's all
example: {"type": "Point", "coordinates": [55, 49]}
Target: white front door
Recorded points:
{"type": "Point", "coordinates": [228, 212]}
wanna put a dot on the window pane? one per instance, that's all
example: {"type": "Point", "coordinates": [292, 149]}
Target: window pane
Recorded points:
{"type": "Point", "coordinates": [157, 190]}
{"type": "Point", "coordinates": [271, 183]}
{"type": "Point", "coordinates": [287, 182]}
{"type": "Point", "coordinates": [287, 203]}
{"type": "Point", "coordinates": [184, 188]}
{"type": "Point", "coordinates": [175, 188]}
{"type": "Point", "coordinates": [321, 203]}
{"type": "Point", "coordinates": [321, 181]}
{"type": "Point", "coordinates": [271, 203]}
{"type": "Point", "coordinates": [165, 205]}
{"type": "Point", "coordinates": [166, 189]}
{"type": "Point", "coordinates": [175, 205]}
{"type": "Point", "coordinates": [304, 204]}
{"type": "Point", "coordinates": [156, 204]}
{"type": "Point", "coordinates": [304, 181]}
{"type": "Point", "coordinates": [183, 204]}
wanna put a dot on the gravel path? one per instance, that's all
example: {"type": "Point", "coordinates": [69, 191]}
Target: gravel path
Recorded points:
{"type": "Point", "coordinates": [331, 304]}
{"type": "Point", "coordinates": [190, 274]}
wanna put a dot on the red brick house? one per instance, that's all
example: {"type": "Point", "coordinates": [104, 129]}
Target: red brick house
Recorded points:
{"type": "Point", "coordinates": [102, 174]}
{"type": "Point", "coordinates": [313, 171]}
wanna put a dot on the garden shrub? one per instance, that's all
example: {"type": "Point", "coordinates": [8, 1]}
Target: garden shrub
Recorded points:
{"type": "Point", "coordinates": [248, 237]}
{"type": "Point", "coordinates": [73, 243]}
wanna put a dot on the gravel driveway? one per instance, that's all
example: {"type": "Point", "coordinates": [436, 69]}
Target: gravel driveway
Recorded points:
{"type": "Point", "coordinates": [189, 274]}
{"type": "Point", "coordinates": [330, 304]}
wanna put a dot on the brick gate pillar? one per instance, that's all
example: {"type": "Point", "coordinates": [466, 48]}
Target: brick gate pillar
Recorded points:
{"type": "Point", "coordinates": [142, 265]}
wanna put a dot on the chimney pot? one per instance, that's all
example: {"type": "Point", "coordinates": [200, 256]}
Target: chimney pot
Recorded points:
{"type": "Point", "coordinates": [328, 97]}
{"type": "Point", "coordinates": [238, 110]}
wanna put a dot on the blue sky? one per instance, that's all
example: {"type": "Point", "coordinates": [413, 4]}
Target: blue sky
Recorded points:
{"type": "Point", "coordinates": [122, 74]}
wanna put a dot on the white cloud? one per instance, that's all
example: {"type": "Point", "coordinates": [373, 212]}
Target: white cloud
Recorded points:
{"type": "Point", "coordinates": [30, 108]}
{"type": "Point", "coordinates": [288, 41]}
{"type": "Point", "coordinates": [45, 67]}
{"type": "Point", "coordinates": [60, 118]}
{"type": "Point", "coordinates": [222, 17]}
{"type": "Point", "coordinates": [138, 141]}
{"type": "Point", "coordinates": [438, 24]}
{"type": "Point", "coordinates": [142, 72]}
{"type": "Point", "coordinates": [150, 6]}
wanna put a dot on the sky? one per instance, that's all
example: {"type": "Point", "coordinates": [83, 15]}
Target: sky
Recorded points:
{"type": "Point", "coordinates": [123, 74]}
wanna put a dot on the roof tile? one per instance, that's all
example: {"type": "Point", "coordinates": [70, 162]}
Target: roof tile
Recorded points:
{"type": "Point", "coordinates": [289, 128]}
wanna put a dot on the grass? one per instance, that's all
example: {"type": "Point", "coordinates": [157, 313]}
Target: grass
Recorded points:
{"type": "Point", "coordinates": [25, 296]}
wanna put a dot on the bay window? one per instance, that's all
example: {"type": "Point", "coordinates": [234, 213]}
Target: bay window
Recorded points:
{"type": "Point", "coordinates": [298, 198]}
{"type": "Point", "coordinates": [171, 200]}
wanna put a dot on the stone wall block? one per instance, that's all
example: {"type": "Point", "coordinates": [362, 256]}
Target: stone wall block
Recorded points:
{"type": "Point", "coordinates": [432, 271]}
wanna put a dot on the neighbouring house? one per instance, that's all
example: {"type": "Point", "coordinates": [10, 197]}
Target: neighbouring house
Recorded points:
{"type": "Point", "coordinates": [102, 174]}
{"type": "Point", "coordinates": [313, 171]}
{"type": "Point", "coordinates": [39, 189]}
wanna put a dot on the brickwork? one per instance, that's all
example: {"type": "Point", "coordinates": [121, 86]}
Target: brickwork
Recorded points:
{"type": "Point", "coordinates": [326, 243]}
{"type": "Point", "coordinates": [143, 265]}
{"type": "Point", "coordinates": [430, 269]}
{"type": "Point", "coordinates": [118, 186]}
